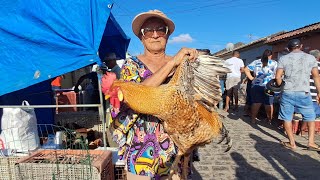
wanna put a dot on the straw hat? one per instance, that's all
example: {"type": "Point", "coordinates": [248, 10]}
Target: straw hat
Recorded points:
{"type": "Point", "coordinates": [142, 17]}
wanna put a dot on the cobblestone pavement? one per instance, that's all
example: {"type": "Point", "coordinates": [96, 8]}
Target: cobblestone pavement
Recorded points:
{"type": "Point", "coordinates": [256, 154]}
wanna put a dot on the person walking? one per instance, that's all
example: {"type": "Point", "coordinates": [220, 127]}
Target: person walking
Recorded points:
{"type": "Point", "coordinates": [233, 79]}
{"type": "Point", "coordinates": [296, 67]}
{"type": "Point", "coordinates": [264, 70]}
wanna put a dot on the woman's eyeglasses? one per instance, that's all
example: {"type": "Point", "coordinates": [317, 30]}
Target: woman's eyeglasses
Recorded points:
{"type": "Point", "coordinates": [148, 32]}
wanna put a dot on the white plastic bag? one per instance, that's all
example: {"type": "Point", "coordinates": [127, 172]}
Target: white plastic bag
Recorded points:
{"type": "Point", "coordinates": [19, 129]}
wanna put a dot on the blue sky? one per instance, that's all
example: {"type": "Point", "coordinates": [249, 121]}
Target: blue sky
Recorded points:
{"type": "Point", "coordinates": [212, 24]}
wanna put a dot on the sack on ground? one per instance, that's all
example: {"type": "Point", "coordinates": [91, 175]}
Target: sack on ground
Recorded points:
{"type": "Point", "coordinates": [19, 129]}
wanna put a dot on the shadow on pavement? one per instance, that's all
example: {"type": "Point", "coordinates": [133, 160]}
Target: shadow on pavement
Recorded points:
{"type": "Point", "coordinates": [263, 124]}
{"type": "Point", "coordinates": [267, 126]}
{"type": "Point", "coordinates": [289, 164]}
{"type": "Point", "coordinates": [234, 115]}
{"type": "Point", "coordinates": [195, 174]}
{"type": "Point", "coordinates": [247, 171]}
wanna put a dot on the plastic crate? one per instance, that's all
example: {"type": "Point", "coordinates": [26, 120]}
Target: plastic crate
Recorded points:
{"type": "Point", "coordinates": [7, 168]}
{"type": "Point", "coordinates": [66, 164]}
{"type": "Point", "coordinates": [99, 127]}
{"type": "Point", "coordinates": [119, 166]}
{"type": "Point", "coordinates": [120, 172]}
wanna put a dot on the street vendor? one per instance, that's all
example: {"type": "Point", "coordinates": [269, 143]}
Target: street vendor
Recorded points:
{"type": "Point", "coordinates": [146, 148]}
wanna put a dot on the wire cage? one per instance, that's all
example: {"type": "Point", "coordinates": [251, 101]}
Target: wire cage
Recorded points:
{"type": "Point", "coordinates": [66, 164]}
{"type": "Point", "coordinates": [58, 137]}
{"type": "Point", "coordinates": [91, 121]}
{"type": "Point", "coordinates": [7, 169]}
{"type": "Point", "coordinates": [48, 136]}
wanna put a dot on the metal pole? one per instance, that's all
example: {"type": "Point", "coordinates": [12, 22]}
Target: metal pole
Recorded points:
{"type": "Point", "coordinates": [101, 111]}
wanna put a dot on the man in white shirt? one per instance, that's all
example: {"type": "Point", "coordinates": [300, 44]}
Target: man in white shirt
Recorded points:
{"type": "Point", "coordinates": [233, 79]}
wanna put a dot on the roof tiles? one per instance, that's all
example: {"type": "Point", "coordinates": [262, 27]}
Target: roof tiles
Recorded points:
{"type": "Point", "coordinates": [308, 28]}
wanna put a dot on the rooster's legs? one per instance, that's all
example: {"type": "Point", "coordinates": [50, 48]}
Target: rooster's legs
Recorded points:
{"type": "Point", "coordinates": [174, 166]}
{"type": "Point", "coordinates": [225, 135]}
{"type": "Point", "coordinates": [185, 166]}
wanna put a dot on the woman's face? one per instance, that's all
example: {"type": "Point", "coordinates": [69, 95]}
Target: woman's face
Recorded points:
{"type": "Point", "coordinates": [154, 36]}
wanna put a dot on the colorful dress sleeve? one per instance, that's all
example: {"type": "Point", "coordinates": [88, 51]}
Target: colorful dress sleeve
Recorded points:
{"type": "Point", "coordinates": [126, 117]}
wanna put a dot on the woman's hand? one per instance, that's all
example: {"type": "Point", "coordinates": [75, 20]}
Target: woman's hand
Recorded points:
{"type": "Point", "coordinates": [189, 53]}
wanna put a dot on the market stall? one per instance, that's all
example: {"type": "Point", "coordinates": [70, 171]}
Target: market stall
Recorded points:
{"type": "Point", "coordinates": [40, 40]}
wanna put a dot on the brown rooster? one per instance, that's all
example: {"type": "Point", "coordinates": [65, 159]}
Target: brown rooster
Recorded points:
{"type": "Point", "coordinates": [186, 105]}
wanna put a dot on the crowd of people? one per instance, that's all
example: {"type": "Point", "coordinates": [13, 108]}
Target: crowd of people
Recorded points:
{"type": "Point", "coordinates": [298, 75]}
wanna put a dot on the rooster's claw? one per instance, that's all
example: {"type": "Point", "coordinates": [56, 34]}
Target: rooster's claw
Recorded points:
{"type": "Point", "coordinates": [225, 135]}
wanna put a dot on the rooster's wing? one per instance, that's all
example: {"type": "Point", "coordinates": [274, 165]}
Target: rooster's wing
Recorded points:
{"type": "Point", "coordinates": [199, 80]}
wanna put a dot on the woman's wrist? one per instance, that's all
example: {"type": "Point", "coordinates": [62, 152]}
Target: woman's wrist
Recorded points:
{"type": "Point", "coordinates": [173, 63]}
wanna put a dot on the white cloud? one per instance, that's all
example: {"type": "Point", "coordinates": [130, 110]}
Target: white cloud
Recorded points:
{"type": "Point", "coordinates": [182, 38]}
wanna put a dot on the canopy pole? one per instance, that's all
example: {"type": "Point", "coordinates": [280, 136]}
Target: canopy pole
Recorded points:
{"type": "Point", "coordinates": [101, 111]}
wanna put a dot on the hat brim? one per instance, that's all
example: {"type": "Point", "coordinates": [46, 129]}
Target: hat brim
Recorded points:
{"type": "Point", "coordinates": [141, 18]}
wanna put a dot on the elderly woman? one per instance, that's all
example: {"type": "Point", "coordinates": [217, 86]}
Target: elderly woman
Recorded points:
{"type": "Point", "coordinates": [144, 145]}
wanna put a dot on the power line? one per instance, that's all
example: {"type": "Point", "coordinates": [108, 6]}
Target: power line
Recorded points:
{"type": "Point", "coordinates": [201, 7]}
{"type": "Point", "coordinates": [256, 3]}
{"type": "Point", "coordinates": [230, 4]}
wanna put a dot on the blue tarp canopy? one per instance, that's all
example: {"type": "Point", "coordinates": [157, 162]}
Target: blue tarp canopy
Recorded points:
{"type": "Point", "coordinates": [113, 40]}
{"type": "Point", "coordinates": [40, 39]}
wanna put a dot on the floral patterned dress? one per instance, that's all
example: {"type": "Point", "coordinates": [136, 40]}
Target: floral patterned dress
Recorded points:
{"type": "Point", "coordinates": [144, 145]}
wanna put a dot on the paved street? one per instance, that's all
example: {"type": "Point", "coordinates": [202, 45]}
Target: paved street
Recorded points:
{"type": "Point", "coordinates": [256, 154]}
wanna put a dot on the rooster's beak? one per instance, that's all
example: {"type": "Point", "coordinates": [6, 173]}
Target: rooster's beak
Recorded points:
{"type": "Point", "coordinates": [120, 95]}
{"type": "Point", "coordinates": [107, 96]}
